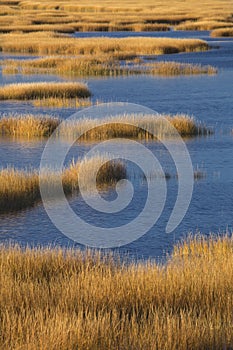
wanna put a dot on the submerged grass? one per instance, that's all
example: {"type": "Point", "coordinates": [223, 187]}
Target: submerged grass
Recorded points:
{"type": "Point", "coordinates": [20, 189]}
{"type": "Point", "coordinates": [31, 91]}
{"type": "Point", "coordinates": [69, 299]}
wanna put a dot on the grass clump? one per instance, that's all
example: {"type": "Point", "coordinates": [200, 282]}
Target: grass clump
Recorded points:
{"type": "Point", "coordinates": [202, 25]}
{"type": "Point", "coordinates": [225, 32]}
{"type": "Point", "coordinates": [132, 126]}
{"type": "Point", "coordinates": [28, 125]}
{"type": "Point", "coordinates": [31, 91]}
{"type": "Point", "coordinates": [20, 189]}
{"type": "Point", "coordinates": [68, 299]}
{"type": "Point", "coordinates": [128, 126]}
{"type": "Point", "coordinates": [57, 44]}
{"type": "Point", "coordinates": [102, 65]}
{"type": "Point", "coordinates": [55, 102]}
{"type": "Point", "coordinates": [167, 68]}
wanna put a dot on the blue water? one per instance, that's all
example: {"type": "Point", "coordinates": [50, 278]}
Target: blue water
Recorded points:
{"type": "Point", "coordinates": [208, 98]}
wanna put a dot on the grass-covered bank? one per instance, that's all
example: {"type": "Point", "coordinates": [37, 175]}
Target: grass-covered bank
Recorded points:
{"type": "Point", "coordinates": [52, 299]}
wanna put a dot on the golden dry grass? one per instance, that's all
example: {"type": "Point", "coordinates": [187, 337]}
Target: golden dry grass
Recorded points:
{"type": "Point", "coordinates": [226, 32]}
{"type": "Point", "coordinates": [20, 189]}
{"type": "Point", "coordinates": [31, 91]}
{"type": "Point", "coordinates": [55, 102]}
{"type": "Point", "coordinates": [102, 65]}
{"type": "Point", "coordinates": [50, 44]}
{"type": "Point", "coordinates": [29, 125]}
{"type": "Point", "coordinates": [124, 126]}
{"type": "Point", "coordinates": [106, 16]}
{"type": "Point", "coordinates": [167, 68]}
{"type": "Point", "coordinates": [67, 299]}
{"type": "Point", "coordinates": [129, 126]}
{"type": "Point", "coordinates": [203, 25]}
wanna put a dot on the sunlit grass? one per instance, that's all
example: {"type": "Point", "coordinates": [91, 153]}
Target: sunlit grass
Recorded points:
{"type": "Point", "coordinates": [69, 299]}
{"type": "Point", "coordinates": [203, 25]}
{"type": "Point", "coordinates": [225, 32]}
{"type": "Point", "coordinates": [20, 189]}
{"type": "Point", "coordinates": [50, 44]}
{"type": "Point", "coordinates": [132, 126]}
{"type": "Point", "coordinates": [28, 125]}
{"type": "Point", "coordinates": [85, 129]}
{"type": "Point", "coordinates": [175, 68]}
{"type": "Point", "coordinates": [102, 65]}
{"type": "Point", "coordinates": [56, 102]}
{"type": "Point", "coordinates": [106, 16]}
{"type": "Point", "coordinates": [31, 91]}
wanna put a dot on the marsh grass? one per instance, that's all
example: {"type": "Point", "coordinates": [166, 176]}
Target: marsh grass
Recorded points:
{"type": "Point", "coordinates": [225, 32]}
{"type": "Point", "coordinates": [123, 126]}
{"type": "Point", "coordinates": [203, 25]}
{"type": "Point", "coordinates": [103, 65]}
{"type": "Point", "coordinates": [142, 127]}
{"type": "Point", "coordinates": [45, 43]}
{"type": "Point", "coordinates": [167, 68]}
{"type": "Point", "coordinates": [20, 189]}
{"type": "Point", "coordinates": [68, 299]}
{"type": "Point", "coordinates": [28, 125]}
{"type": "Point", "coordinates": [31, 91]}
{"type": "Point", "coordinates": [53, 102]}
{"type": "Point", "coordinates": [106, 16]}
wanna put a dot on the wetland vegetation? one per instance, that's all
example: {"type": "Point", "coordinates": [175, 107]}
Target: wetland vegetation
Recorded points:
{"type": "Point", "coordinates": [60, 299]}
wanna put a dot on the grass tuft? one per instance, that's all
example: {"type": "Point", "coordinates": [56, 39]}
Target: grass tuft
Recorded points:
{"type": "Point", "coordinates": [20, 189]}
{"type": "Point", "coordinates": [224, 32]}
{"type": "Point", "coordinates": [102, 65]}
{"type": "Point", "coordinates": [31, 91]}
{"type": "Point", "coordinates": [29, 125]}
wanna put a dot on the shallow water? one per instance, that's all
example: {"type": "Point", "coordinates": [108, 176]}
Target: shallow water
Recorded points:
{"type": "Point", "coordinates": [208, 98]}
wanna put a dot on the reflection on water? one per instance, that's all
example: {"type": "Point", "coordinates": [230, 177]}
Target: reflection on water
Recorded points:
{"type": "Point", "coordinates": [209, 98]}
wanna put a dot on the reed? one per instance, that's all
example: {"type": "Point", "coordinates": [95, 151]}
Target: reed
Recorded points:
{"type": "Point", "coordinates": [226, 32]}
{"type": "Point", "coordinates": [31, 91]}
{"type": "Point", "coordinates": [67, 299]}
{"type": "Point", "coordinates": [20, 189]}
